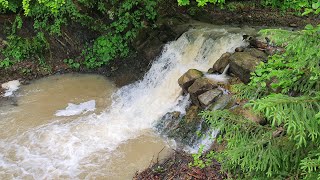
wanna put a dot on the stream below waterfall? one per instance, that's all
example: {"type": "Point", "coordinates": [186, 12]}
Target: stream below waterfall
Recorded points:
{"type": "Point", "coordinates": [78, 126]}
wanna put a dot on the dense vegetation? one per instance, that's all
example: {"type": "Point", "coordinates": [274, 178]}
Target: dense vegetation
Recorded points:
{"type": "Point", "coordinates": [307, 5]}
{"type": "Point", "coordinates": [286, 91]}
{"type": "Point", "coordinates": [123, 22]}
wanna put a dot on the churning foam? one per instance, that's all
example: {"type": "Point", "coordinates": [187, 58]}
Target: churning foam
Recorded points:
{"type": "Point", "coordinates": [10, 87]}
{"type": "Point", "coordinates": [66, 149]}
{"type": "Point", "coordinates": [76, 109]}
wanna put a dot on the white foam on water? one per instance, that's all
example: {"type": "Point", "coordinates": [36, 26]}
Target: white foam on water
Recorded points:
{"type": "Point", "coordinates": [66, 149]}
{"type": "Point", "coordinates": [204, 144]}
{"type": "Point", "coordinates": [76, 109]}
{"type": "Point", "coordinates": [218, 77]}
{"type": "Point", "coordinates": [10, 87]}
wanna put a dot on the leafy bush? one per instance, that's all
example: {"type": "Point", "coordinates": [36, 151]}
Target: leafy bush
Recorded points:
{"type": "Point", "coordinates": [307, 5]}
{"type": "Point", "coordinates": [201, 2]}
{"type": "Point", "coordinates": [129, 18]}
{"type": "Point", "coordinates": [125, 19]}
{"type": "Point", "coordinates": [18, 48]}
{"type": "Point", "coordinates": [303, 6]}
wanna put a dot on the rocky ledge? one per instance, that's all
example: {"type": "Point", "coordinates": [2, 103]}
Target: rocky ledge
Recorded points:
{"type": "Point", "coordinates": [211, 91]}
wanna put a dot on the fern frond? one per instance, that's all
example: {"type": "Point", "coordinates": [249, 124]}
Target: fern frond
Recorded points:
{"type": "Point", "coordinates": [242, 91]}
{"type": "Point", "coordinates": [297, 70]}
{"type": "Point", "coordinates": [311, 165]}
{"type": "Point", "coordinates": [296, 114]}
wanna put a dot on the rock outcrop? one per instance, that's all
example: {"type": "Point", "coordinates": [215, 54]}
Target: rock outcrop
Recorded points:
{"type": "Point", "coordinates": [242, 64]}
{"type": "Point", "coordinates": [208, 93]}
{"type": "Point", "coordinates": [188, 78]}
{"type": "Point", "coordinates": [209, 97]}
{"type": "Point", "coordinates": [221, 63]}
{"type": "Point", "coordinates": [200, 86]}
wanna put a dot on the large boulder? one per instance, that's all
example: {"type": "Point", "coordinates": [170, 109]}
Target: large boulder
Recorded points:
{"type": "Point", "coordinates": [221, 63]}
{"type": "Point", "coordinates": [200, 86]}
{"type": "Point", "coordinates": [242, 64]}
{"type": "Point", "coordinates": [225, 101]}
{"type": "Point", "coordinates": [209, 97]}
{"type": "Point", "coordinates": [257, 53]}
{"type": "Point", "coordinates": [188, 78]}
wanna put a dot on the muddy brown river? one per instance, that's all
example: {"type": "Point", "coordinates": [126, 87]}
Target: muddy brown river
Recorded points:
{"type": "Point", "coordinates": [82, 127]}
{"type": "Point", "coordinates": [30, 129]}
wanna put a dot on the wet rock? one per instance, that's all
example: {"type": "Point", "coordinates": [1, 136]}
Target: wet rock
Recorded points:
{"type": "Point", "coordinates": [225, 101]}
{"type": "Point", "coordinates": [211, 71]}
{"type": "Point", "coordinates": [151, 48]}
{"type": "Point", "coordinates": [169, 122]}
{"type": "Point", "coordinates": [239, 49]}
{"type": "Point", "coordinates": [256, 53]}
{"type": "Point", "coordinates": [192, 114]}
{"type": "Point", "coordinates": [185, 131]}
{"type": "Point", "coordinates": [183, 128]}
{"type": "Point", "coordinates": [188, 78]}
{"type": "Point", "coordinates": [149, 41]}
{"type": "Point", "coordinates": [256, 43]}
{"type": "Point", "coordinates": [200, 86]}
{"type": "Point", "coordinates": [209, 97]}
{"type": "Point", "coordinates": [242, 64]}
{"type": "Point", "coordinates": [221, 63]}
{"type": "Point", "coordinates": [293, 25]}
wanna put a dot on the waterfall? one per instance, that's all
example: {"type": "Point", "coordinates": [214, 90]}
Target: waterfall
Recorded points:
{"type": "Point", "coordinates": [63, 149]}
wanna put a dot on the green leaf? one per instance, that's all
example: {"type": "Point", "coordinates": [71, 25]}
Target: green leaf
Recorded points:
{"type": "Point", "coordinates": [307, 11]}
{"type": "Point", "coordinates": [309, 27]}
{"type": "Point", "coordinates": [316, 5]}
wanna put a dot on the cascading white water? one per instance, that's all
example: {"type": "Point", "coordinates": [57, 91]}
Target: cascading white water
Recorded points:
{"type": "Point", "coordinates": [68, 149]}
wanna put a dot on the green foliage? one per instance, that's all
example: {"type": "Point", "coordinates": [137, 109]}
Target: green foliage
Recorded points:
{"type": "Point", "coordinates": [13, 5]}
{"type": "Point", "coordinates": [307, 5]}
{"type": "Point", "coordinates": [297, 70]}
{"type": "Point", "coordinates": [126, 18]}
{"type": "Point", "coordinates": [202, 161]}
{"type": "Point", "coordinates": [129, 18]}
{"type": "Point", "coordinates": [302, 7]}
{"type": "Point", "coordinates": [286, 91]}
{"type": "Point", "coordinates": [200, 2]}
{"type": "Point", "coordinates": [18, 48]}
{"type": "Point", "coordinates": [72, 63]}
{"type": "Point", "coordinates": [254, 151]}
{"type": "Point", "coordinates": [104, 49]}
{"type": "Point", "coordinates": [296, 114]}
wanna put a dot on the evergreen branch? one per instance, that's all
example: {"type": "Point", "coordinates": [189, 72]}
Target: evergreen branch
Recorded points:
{"type": "Point", "coordinates": [297, 114]}
{"type": "Point", "coordinates": [251, 147]}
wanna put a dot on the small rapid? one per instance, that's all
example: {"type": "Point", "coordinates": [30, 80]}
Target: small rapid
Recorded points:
{"type": "Point", "coordinates": [83, 147]}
